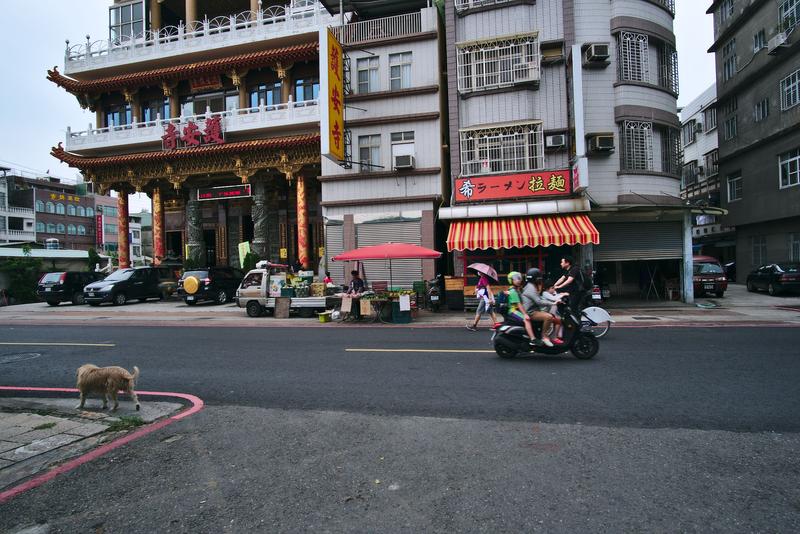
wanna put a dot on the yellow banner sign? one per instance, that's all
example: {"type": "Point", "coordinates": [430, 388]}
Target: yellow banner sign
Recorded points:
{"type": "Point", "coordinates": [332, 96]}
{"type": "Point", "coordinates": [244, 249]}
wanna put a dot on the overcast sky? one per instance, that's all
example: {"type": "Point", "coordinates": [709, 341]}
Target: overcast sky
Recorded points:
{"type": "Point", "coordinates": [34, 113]}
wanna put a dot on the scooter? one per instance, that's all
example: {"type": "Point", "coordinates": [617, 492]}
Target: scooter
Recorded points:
{"type": "Point", "coordinates": [434, 293]}
{"type": "Point", "coordinates": [510, 340]}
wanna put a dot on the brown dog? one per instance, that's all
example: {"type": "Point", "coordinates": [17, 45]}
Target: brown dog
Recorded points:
{"type": "Point", "coordinates": [106, 381]}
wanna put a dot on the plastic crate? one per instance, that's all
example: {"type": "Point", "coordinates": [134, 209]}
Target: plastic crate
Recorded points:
{"type": "Point", "coordinates": [287, 292]}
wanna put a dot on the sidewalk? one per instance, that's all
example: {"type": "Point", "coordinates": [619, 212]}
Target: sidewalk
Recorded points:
{"type": "Point", "coordinates": [737, 307]}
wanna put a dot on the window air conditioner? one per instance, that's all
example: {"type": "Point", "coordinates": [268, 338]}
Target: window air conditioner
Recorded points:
{"type": "Point", "coordinates": [404, 162]}
{"type": "Point", "coordinates": [555, 141]}
{"type": "Point", "coordinates": [525, 71]}
{"type": "Point", "coordinates": [601, 143]}
{"type": "Point", "coordinates": [596, 52]}
{"type": "Point", "coordinates": [776, 43]}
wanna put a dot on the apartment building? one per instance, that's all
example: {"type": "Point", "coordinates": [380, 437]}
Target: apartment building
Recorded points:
{"type": "Point", "coordinates": [17, 218]}
{"type": "Point", "coordinates": [757, 48]}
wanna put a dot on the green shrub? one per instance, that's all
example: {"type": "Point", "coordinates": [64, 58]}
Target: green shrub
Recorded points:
{"type": "Point", "coordinates": [23, 274]}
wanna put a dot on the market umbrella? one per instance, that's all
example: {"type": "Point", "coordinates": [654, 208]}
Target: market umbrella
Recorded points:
{"type": "Point", "coordinates": [389, 251]}
{"type": "Point", "coordinates": [482, 268]}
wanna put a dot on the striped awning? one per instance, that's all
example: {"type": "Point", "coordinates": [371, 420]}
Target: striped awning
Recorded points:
{"type": "Point", "coordinates": [519, 232]}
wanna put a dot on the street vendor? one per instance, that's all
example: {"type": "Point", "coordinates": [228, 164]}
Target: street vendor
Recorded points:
{"type": "Point", "coordinates": [356, 284]}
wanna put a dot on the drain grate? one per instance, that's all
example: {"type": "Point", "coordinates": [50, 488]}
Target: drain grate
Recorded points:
{"type": "Point", "coordinates": [18, 357]}
{"type": "Point", "coordinates": [646, 318]}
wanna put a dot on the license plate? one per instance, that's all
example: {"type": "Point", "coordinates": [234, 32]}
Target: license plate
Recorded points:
{"type": "Point", "coordinates": [189, 299]}
{"type": "Point", "coordinates": [596, 296]}
{"type": "Point", "coordinates": [91, 294]}
{"type": "Point", "coordinates": [47, 289]}
{"type": "Point", "coordinates": [606, 293]}
{"type": "Point", "coordinates": [708, 286]}
{"type": "Point", "coordinates": [434, 297]}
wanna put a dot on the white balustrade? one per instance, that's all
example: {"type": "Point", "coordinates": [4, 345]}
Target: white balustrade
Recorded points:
{"type": "Point", "coordinates": [247, 27]}
{"type": "Point", "coordinates": [18, 212]}
{"type": "Point", "coordinates": [234, 121]}
{"type": "Point", "coordinates": [383, 28]}
{"type": "Point", "coordinates": [17, 235]}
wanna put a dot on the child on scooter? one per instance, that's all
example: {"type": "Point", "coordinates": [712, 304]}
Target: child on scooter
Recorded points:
{"type": "Point", "coordinates": [551, 295]}
{"type": "Point", "coordinates": [515, 309]}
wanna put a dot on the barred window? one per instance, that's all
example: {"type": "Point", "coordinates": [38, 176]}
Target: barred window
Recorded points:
{"type": "Point", "coordinates": [637, 146]}
{"type": "Point", "coordinates": [689, 174]}
{"type": "Point", "coordinates": [668, 68]}
{"type": "Point", "coordinates": [789, 164]}
{"type": "Point", "coordinates": [711, 163]}
{"type": "Point", "coordinates": [790, 90]}
{"type": "Point", "coordinates": [789, 13]}
{"type": "Point", "coordinates": [671, 152]}
{"type": "Point", "coordinates": [516, 147]}
{"type": "Point", "coordinates": [633, 57]}
{"type": "Point", "coordinates": [500, 63]}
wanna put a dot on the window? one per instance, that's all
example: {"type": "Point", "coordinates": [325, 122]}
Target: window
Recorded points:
{"type": "Point", "coordinates": [152, 110]}
{"type": "Point", "coordinates": [689, 174]}
{"type": "Point", "coordinates": [110, 229]}
{"type": "Point", "coordinates": [306, 89]}
{"type": "Point", "coordinates": [710, 118]}
{"type": "Point", "coordinates": [633, 57]}
{"type": "Point", "coordinates": [761, 110]}
{"type": "Point", "coordinates": [369, 151]}
{"type": "Point", "coordinates": [51, 228]}
{"type": "Point", "coordinates": [40, 206]}
{"type": "Point", "coordinates": [729, 60]}
{"type": "Point", "coordinates": [60, 229]}
{"type": "Point", "coordinates": [734, 187]}
{"type": "Point", "coordinates": [118, 115]}
{"type": "Point", "coordinates": [51, 208]}
{"type": "Point", "coordinates": [790, 90]}
{"type": "Point", "coordinates": [731, 105]}
{"type": "Point", "coordinates": [671, 152]}
{"type": "Point", "coordinates": [637, 145]}
{"type": "Point", "coordinates": [500, 63]}
{"type": "Point", "coordinates": [368, 80]}
{"type": "Point", "coordinates": [213, 102]}
{"type": "Point", "coordinates": [81, 229]}
{"type": "Point", "coordinates": [789, 13]}
{"type": "Point", "coordinates": [502, 149]}
{"type": "Point", "coordinates": [758, 246]}
{"type": "Point", "coordinates": [730, 128]}
{"type": "Point", "coordinates": [725, 10]}
{"type": "Point", "coordinates": [689, 132]}
{"type": "Point", "coordinates": [137, 250]}
{"type": "Point", "coordinates": [110, 211]}
{"type": "Point", "coordinates": [81, 211]}
{"type": "Point", "coordinates": [400, 71]}
{"type": "Point", "coordinates": [126, 22]}
{"type": "Point", "coordinates": [59, 209]}
{"type": "Point", "coordinates": [89, 212]}
{"type": "Point", "coordinates": [71, 210]}
{"type": "Point", "coordinates": [71, 229]}
{"type": "Point", "coordinates": [759, 41]}
{"type": "Point", "coordinates": [268, 94]}
{"type": "Point", "coordinates": [135, 234]}
{"type": "Point", "coordinates": [711, 163]}
{"type": "Point", "coordinates": [789, 164]}
{"type": "Point", "coordinates": [668, 67]}
{"type": "Point", "coordinates": [40, 227]}
{"type": "Point", "coordinates": [794, 247]}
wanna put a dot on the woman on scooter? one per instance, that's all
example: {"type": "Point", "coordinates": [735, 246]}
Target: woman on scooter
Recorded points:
{"type": "Point", "coordinates": [537, 306]}
{"type": "Point", "coordinates": [515, 310]}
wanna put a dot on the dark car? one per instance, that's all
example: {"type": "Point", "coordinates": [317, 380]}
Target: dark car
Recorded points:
{"type": "Point", "coordinates": [709, 277]}
{"type": "Point", "coordinates": [775, 278]}
{"type": "Point", "coordinates": [66, 286]}
{"type": "Point", "coordinates": [123, 285]}
{"type": "Point", "coordinates": [217, 284]}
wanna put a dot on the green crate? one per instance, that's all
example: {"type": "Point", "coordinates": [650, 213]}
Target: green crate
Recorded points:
{"type": "Point", "coordinates": [287, 292]}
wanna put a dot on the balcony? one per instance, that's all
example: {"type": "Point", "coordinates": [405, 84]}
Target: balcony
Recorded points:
{"type": "Point", "coordinates": [464, 5]}
{"type": "Point", "coordinates": [11, 211]}
{"type": "Point", "coordinates": [174, 41]}
{"type": "Point", "coordinates": [387, 28]}
{"type": "Point", "coordinates": [17, 236]}
{"type": "Point", "coordinates": [234, 121]}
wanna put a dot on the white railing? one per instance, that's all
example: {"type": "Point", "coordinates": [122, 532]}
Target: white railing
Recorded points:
{"type": "Point", "coordinates": [237, 120]}
{"type": "Point", "coordinates": [17, 235]}
{"type": "Point", "coordinates": [380, 29]}
{"type": "Point", "coordinates": [201, 35]}
{"type": "Point", "coordinates": [18, 212]}
{"type": "Point", "coordinates": [668, 4]}
{"type": "Point", "coordinates": [463, 5]}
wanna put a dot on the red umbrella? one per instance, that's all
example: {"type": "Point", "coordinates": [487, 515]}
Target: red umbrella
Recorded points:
{"type": "Point", "coordinates": [389, 251]}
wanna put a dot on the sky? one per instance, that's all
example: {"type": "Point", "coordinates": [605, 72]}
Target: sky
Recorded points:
{"type": "Point", "coordinates": [35, 113]}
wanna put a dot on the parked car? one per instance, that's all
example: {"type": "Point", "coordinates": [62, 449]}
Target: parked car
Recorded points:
{"type": "Point", "coordinates": [66, 286]}
{"type": "Point", "coordinates": [775, 278]}
{"type": "Point", "coordinates": [216, 284]}
{"type": "Point", "coordinates": [709, 277]}
{"type": "Point", "coordinates": [123, 285]}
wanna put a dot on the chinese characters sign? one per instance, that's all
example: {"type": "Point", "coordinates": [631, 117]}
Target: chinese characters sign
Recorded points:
{"type": "Point", "coordinates": [188, 135]}
{"type": "Point", "coordinates": [98, 230]}
{"type": "Point", "coordinates": [62, 196]}
{"type": "Point", "coordinates": [528, 185]}
{"type": "Point", "coordinates": [224, 192]}
{"type": "Point", "coordinates": [332, 101]}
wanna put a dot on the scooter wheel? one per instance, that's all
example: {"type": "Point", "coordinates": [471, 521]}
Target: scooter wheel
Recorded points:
{"type": "Point", "coordinates": [585, 347]}
{"type": "Point", "coordinates": [505, 352]}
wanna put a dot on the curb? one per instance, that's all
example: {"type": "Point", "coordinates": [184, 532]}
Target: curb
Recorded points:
{"type": "Point", "coordinates": [38, 480]}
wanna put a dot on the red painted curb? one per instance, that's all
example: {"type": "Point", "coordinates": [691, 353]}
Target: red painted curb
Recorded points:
{"type": "Point", "coordinates": [197, 405]}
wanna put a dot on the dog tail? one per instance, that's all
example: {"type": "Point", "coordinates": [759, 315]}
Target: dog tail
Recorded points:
{"type": "Point", "coordinates": [135, 373]}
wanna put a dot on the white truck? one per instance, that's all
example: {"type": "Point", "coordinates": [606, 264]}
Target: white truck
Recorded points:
{"type": "Point", "coordinates": [258, 287]}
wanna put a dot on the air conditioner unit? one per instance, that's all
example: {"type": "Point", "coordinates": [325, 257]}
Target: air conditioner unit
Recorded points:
{"type": "Point", "coordinates": [597, 52]}
{"type": "Point", "coordinates": [601, 143]}
{"type": "Point", "coordinates": [776, 43]}
{"type": "Point", "coordinates": [555, 141]}
{"type": "Point", "coordinates": [698, 127]}
{"type": "Point", "coordinates": [404, 162]}
{"type": "Point", "coordinates": [526, 71]}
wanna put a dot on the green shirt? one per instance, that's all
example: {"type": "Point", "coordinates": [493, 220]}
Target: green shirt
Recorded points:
{"type": "Point", "coordinates": [514, 301]}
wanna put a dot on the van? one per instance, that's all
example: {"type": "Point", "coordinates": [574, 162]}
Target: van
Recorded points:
{"type": "Point", "coordinates": [709, 276]}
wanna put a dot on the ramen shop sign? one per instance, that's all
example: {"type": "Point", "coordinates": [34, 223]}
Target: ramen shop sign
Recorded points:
{"type": "Point", "coordinates": [189, 134]}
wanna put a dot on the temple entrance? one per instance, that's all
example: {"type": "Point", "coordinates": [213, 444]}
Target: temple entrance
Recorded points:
{"type": "Point", "coordinates": [174, 244]}
{"type": "Point", "coordinates": [210, 240]}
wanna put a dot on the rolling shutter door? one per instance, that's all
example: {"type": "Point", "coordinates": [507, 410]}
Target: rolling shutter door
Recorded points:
{"type": "Point", "coordinates": [404, 272]}
{"type": "Point", "coordinates": [639, 241]}
{"type": "Point", "coordinates": [334, 245]}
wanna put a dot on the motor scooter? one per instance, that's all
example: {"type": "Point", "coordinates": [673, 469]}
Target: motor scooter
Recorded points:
{"type": "Point", "coordinates": [434, 293]}
{"type": "Point", "coordinates": [510, 340]}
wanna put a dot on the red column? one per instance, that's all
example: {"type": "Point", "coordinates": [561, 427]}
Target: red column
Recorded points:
{"type": "Point", "coordinates": [123, 241]}
{"type": "Point", "coordinates": [158, 226]}
{"type": "Point", "coordinates": [302, 222]}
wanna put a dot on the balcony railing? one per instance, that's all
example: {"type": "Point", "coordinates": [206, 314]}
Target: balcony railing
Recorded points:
{"type": "Point", "coordinates": [237, 120]}
{"type": "Point", "coordinates": [12, 211]}
{"type": "Point", "coordinates": [668, 4]}
{"type": "Point", "coordinates": [463, 5]}
{"type": "Point", "coordinates": [17, 235]}
{"type": "Point", "coordinates": [384, 28]}
{"type": "Point", "coordinates": [203, 35]}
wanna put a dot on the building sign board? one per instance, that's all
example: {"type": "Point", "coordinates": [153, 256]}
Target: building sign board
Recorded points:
{"type": "Point", "coordinates": [331, 96]}
{"type": "Point", "coordinates": [205, 83]}
{"type": "Point", "coordinates": [508, 186]}
{"type": "Point", "coordinates": [223, 192]}
{"type": "Point", "coordinates": [98, 230]}
{"type": "Point", "coordinates": [189, 134]}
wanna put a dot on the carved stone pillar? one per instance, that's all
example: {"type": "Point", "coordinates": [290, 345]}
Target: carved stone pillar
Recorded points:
{"type": "Point", "coordinates": [259, 216]}
{"type": "Point", "coordinates": [155, 15]}
{"type": "Point", "coordinates": [194, 230]}
{"type": "Point", "coordinates": [158, 226]}
{"type": "Point", "coordinates": [302, 222]}
{"type": "Point", "coordinates": [123, 239]}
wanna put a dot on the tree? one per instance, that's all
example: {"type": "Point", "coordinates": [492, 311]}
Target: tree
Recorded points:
{"type": "Point", "coordinates": [23, 274]}
{"type": "Point", "coordinates": [94, 259]}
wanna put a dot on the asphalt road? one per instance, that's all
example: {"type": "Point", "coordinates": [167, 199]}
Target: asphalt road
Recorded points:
{"type": "Point", "coordinates": [665, 430]}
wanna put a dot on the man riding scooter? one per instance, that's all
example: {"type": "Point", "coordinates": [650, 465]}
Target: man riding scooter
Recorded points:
{"type": "Point", "coordinates": [538, 307]}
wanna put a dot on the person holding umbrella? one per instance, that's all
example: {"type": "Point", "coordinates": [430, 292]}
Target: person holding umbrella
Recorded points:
{"type": "Point", "coordinates": [484, 293]}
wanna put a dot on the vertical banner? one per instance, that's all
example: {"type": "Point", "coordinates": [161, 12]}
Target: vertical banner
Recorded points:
{"type": "Point", "coordinates": [331, 96]}
{"type": "Point", "coordinates": [98, 230]}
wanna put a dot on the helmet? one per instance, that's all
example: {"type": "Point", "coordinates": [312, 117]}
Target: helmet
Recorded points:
{"type": "Point", "coordinates": [514, 275]}
{"type": "Point", "coordinates": [533, 274]}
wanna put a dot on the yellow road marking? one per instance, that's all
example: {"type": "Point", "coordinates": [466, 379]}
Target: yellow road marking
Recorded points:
{"type": "Point", "coordinates": [466, 351]}
{"type": "Point", "coordinates": [63, 344]}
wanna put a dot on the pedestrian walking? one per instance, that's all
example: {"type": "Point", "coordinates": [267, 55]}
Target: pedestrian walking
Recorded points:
{"type": "Point", "coordinates": [483, 291]}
